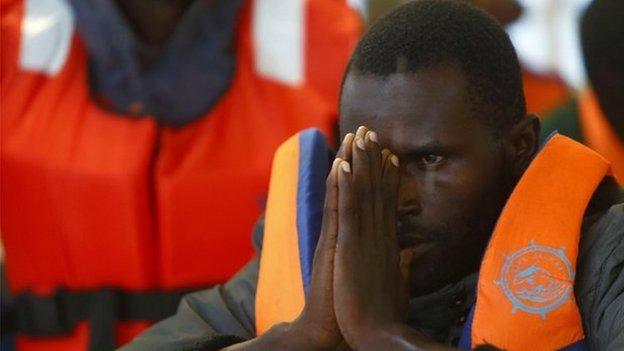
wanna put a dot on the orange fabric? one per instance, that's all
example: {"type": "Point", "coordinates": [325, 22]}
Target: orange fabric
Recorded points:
{"type": "Point", "coordinates": [599, 134]}
{"type": "Point", "coordinates": [539, 226]}
{"type": "Point", "coordinates": [91, 199]}
{"type": "Point", "coordinates": [11, 13]}
{"type": "Point", "coordinates": [74, 186]}
{"type": "Point", "coordinates": [334, 17]}
{"type": "Point", "coordinates": [279, 294]}
{"type": "Point", "coordinates": [543, 93]}
{"type": "Point", "coordinates": [197, 164]}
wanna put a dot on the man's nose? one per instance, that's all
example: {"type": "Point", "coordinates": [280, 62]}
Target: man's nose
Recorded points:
{"type": "Point", "coordinates": [409, 199]}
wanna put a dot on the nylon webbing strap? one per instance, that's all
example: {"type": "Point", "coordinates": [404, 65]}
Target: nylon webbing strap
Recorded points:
{"type": "Point", "coordinates": [59, 313]}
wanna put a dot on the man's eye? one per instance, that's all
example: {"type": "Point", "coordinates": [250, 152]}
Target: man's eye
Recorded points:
{"type": "Point", "coordinates": [432, 160]}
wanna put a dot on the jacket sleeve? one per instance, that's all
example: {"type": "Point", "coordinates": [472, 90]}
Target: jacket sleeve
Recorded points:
{"type": "Point", "coordinates": [600, 281]}
{"type": "Point", "coordinates": [209, 319]}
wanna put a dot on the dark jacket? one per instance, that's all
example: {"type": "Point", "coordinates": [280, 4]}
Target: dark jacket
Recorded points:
{"type": "Point", "coordinates": [224, 315]}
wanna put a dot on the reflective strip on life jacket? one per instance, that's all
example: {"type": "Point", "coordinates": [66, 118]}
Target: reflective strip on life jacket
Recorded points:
{"type": "Point", "coordinates": [47, 30]}
{"type": "Point", "coordinates": [279, 36]}
{"type": "Point", "coordinates": [292, 227]}
{"type": "Point", "coordinates": [291, 44]}
{"type": "Point", "coordinates": [525, 297]}
{"type": "Point", "coordinates": [598, 133]}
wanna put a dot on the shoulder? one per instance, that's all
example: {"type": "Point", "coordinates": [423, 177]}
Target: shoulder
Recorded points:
{"type": "Point", "coordinates": [604, 234]}
{"type": "Point", "coordinates": [601, 243]}
{"type": "Point", "coordinates": [600, 279]}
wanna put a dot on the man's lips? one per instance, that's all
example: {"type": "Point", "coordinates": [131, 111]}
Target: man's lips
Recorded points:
{"type": "Point", "coordinates": [410, 239]}
{"type": "Point", "coordinates": [416, 244]}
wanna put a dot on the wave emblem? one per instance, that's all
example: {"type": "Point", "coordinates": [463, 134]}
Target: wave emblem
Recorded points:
{"type": "Point", "coordinates": [537, 279]}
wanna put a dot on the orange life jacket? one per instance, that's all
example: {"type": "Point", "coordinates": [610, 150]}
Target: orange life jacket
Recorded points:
{"type": "Point", "coordinates": [525, 297]}
{"type": "Point", "coordinates": [599, 134]}
{"type": "Point", "coordinates": [292, 226]}
{"type": "Point", "coordinates": [525, 293]}
{"type": "Point", "coordinates": [100, 211]}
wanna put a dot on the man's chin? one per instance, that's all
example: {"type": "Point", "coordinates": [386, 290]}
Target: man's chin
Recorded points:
{"type": "Point", "coordinates": [431, 269]}
{"type": "Point", "coordinates": [409, 240]}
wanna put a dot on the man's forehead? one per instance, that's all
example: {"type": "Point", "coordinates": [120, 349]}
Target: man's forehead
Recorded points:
{"type": "Point", "coordinates": [425, 102]}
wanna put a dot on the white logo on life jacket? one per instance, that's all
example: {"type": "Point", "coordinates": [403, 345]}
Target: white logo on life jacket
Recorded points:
{"type": "Point", "coordinates": [537, 279]}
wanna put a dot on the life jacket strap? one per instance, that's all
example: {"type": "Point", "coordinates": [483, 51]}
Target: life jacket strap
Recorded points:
{"type": "Point", "coordinates": [59, 313]}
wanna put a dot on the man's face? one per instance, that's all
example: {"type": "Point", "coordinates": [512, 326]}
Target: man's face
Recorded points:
{"type": "Point", "coordinates": [454, 177]}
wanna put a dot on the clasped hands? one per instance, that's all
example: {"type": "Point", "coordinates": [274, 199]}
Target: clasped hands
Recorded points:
{"type": "Point", "coordinates": [359, 292]}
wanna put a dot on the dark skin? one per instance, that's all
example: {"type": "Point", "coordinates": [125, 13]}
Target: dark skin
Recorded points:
{"type": "Point", "coordinates": [153, 21]}
{"type": "Point", "coordinates": [412, 199]}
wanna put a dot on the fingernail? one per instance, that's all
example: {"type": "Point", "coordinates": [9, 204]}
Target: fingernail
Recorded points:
{"type": "Point", "coordinates": [373, 136]}
{"type": "Point", "coordinates": [394, 160]}
{"type": "Point", "coordinates": [348, 137]}
{"type": "Point", "coordinates": [345, 167]}
{"type": "Point", "coordinates": [360, 143]}
{"type": "Point", "coordinates": [336, 162]}
{"type": "Point", "coordinates": [361, 129]}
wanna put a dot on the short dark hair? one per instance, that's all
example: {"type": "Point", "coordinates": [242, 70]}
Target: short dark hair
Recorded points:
{"type": "Point", "coordinates": [602, 41]}
{"type": "Point", "coordinates": [426, 33]}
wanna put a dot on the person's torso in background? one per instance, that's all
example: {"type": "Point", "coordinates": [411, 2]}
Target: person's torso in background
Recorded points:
{"type": "Point", "coordinates": [91, 199]}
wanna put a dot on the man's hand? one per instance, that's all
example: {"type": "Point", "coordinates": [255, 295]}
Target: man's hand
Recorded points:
{"type": "Point", "coordinates": [370, 293]}
{"type": "Point", "coordinates": [317, 322]}
{"type": "Point", "coordinates": [316, 327]}
{"type": "Point", "coordinates": [370, 273]}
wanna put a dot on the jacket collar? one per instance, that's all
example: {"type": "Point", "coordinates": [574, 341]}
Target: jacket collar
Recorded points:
{"type": "Point", "coordinates": [176, 83]}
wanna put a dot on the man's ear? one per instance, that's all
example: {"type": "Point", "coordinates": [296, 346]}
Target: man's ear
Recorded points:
{"type": "Point", "coordinates": [522, 143]}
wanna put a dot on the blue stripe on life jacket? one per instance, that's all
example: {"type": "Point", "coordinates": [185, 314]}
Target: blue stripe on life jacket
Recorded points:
{"type": "Point", "coordinates": [465, 342]}
{"type": "Point", "coordinates": [580, 345]}
{"type": "Point", "coordinates": [313, 169]}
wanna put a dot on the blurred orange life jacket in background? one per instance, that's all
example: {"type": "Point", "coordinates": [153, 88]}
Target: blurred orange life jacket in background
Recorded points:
{"type": "Point", "coordinates": [599, 134]}
{"type": "Point", "coordinates": [92, 200]}
{"type": "Point", "coordinates": [543, 92]}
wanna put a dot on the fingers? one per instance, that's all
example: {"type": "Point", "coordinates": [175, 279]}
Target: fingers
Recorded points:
{"type": "Point", "coordinates": [390, 181]}
{"type": "Point", "coordinates": [329, 227]}
{"type": "Point", "coordinates": [362, 186]}
{"type": "Point", "coordinates": [347, 207]}
{"type": "Point", "coordinates": [374, 181]}
{"type": "Point", "coordinates": [405, 262]}
{"type": "Point", "coordinates": [374, 159]}
{"type": "Point", "coordinates": [385, 154]}
{"type": "Point", "coordinates": [344, 152]}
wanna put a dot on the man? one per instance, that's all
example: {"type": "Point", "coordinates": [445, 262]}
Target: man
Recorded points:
{"type": "Point", "coordinates": [595, 116]}
{"type": "Point", "coordinates": [437, 85]}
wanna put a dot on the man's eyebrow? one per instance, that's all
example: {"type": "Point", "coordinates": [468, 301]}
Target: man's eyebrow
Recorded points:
{"type": "Point", "coordinates": [430, 147]}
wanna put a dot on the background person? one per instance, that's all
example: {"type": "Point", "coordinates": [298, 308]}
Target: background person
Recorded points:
{"type": "Point", "coordinates": [137, 139]}
{"type": "Point", "coordinates": [596, 116]}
